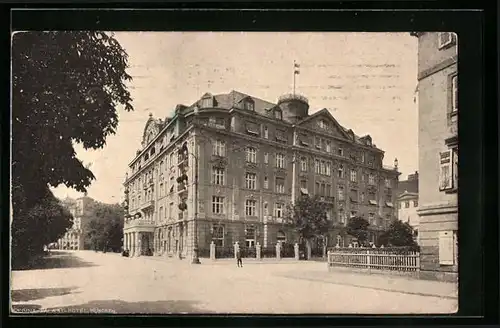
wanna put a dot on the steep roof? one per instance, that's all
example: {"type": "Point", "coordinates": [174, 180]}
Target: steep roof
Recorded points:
{"type": "Point", "coordinates": [407, 185]}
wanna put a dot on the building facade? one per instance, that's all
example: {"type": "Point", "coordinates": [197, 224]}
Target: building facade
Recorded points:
{"type": "Point", "coordinates": [438, 154]}
{"type": "Point", "coordinates": [231, 163]}
{"type": "Point", "coordinates": [408, 202]}
{"type": "Point", "coordinates": [74, 238]}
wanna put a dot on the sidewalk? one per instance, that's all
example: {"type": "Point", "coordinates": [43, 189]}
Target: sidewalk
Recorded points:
{"type": "Point", "coordinates": [224, 261]}
{"type": "Point", "coordinates": [404, 285]}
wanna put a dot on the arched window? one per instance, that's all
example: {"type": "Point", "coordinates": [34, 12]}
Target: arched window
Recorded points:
{"type": "Point", "coordinates": [280, 237]}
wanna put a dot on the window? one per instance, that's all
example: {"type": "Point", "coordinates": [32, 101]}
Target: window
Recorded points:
{"type": "Point", "coordinates": [303, 164]}
{"type": "Point", "coordinates": [322, 167]}
{"type": "Point", "coordinates": [317, 169]}
{"type": "Point", "coordinates": [340, 192]}
{"type": "Point", "coordinates": [218, 234]}
{"type": "Point", "coordinates": [354, 176]}
{"type": "Point", "coordinates": [161, 190]}
{"type": "Point", "coordinates": [161, 167]}
{"type": "Point", "coordinates": [362, 157]}
{"type": "Point", "coordinates": [328, 169]}
{"type": "Point", "coordinates": [328, 146]}
{"type": "Point", "coordinates": [388, 183]}
{"type": "Point", "coordinates": [278, 210]}
{"type": "Point", "coordinates": [248, 105]}
{"type": "Point", "coordinates": [342, 216]}
{"type": "Point", "coordinates": [353, 196]}
{"type": "Point", "coordinates": [415, 203]}
{"type": "Point", "coordinates": [266, 132]}
{"type": "Point", "coordinates": [323, 189]}
{"type": "Point", "coordinates": [171, 210]}
{"type": "Point", "coordinates": [341, 171]}
{"type": "Point", "coordinates": [407, 204]}
{"type": "Point", "coordinates": [371, 179]}
{"type": "Point", "coordinates": [171, 184]}
{"type": "Point", "coordinates": [318, 142]}
{"type": "Point", "coordinates": [250, 180]}
{"type": "Point", "coordinates": [281, 136]}
{"type": "Point", "coordinates": [280, 185]}
{"type": "Point", "coordinates": [160, 214]}
{"type": "Point", "coordinates": [280, 161]}
{"type": "Point", "coordinates": [303, 184]}
{"type": "Point", "coordinates": [444, 39]}
{"type": "Point", "coordinates": [317, 189]}
{"type": "Point", "coordinates": [371, 218]}
{"type": "Point", "coordinates": [455, 167]}
{"type": "Point", "coordinates": [217, 204]}
{"type": "Point", "coordinates": [217, 122]}
{"type": "Point", "coordinates": [266, 158]}
{"type": "Point", "coordinates": [278, 114]}
{"type": "Point", "coordinates": [218, 176]}
{"type": "Point", "coordinates": [172, 159]}
{"type": "Point", "coordinates": [322, 124]}
{"type": "Point", "coordinates": [266, 183]}
{"type": "Point", "coordinates": [219, 148]}
{"type": "Point", "coordinates": [250, 207]}
{"type": "Point", "coordinates": [280, 237]}
{"type": "Point", "coordinates": [251, 155]}
{"type": "Point", "coordinates": [250, 236]}
{"type": "Point", "coordinates": [445, 173]}
{"type": "Point", "coordinates": [454, 94]}
{"type": "Point", "coordinates": [340, 152]}
{"type": "Point", "coordinates": [252, 128]}
{"type": "Point", "coordinates": [362, 197]}
{"type": "Point", "coordinates": [206, 102]}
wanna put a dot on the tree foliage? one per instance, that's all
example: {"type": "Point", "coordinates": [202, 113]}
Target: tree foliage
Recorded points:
{"type": "Point", "coordinates": [105, 228]}
{"type": "Point", "coordinates": [66, 87]}
{"type": "Point", "coordinates": [358, 228]}
{"type": "Point", "coordinates": [43, 223]}
{"type": "Point", "coordinates": [309, 217]}
{"type": "Point", "coordinates": [399, 234]}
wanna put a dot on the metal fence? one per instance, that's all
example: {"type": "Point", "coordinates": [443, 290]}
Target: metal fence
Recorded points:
{"type": "Point", "coordinates": [267, 252]}
{"type": "Point", "coordinates": [224, 252]}
{"type": "Point", "coordinates": [204, 252]}
{"type": "Point", "coordinates": [388, 259]}
{"type": "Point", "coordinates": [248, 252]}
{"type": "Point", "coordinates": [287, 250]}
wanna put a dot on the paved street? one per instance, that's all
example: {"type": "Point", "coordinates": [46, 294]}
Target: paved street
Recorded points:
{"type": "Point", "coordinates": [92, 282]}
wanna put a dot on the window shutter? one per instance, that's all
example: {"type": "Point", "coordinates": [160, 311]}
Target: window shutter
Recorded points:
{"type": "Point", "coordinates": [446, 248]}
{"type": "Point", "coordinates": [445, 171]}
{"type": "Point", "coordinates": [455, 168]}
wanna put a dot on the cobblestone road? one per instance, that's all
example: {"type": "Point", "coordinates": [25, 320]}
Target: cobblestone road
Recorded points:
{"type": "Point", "coordinates": [92, 282]}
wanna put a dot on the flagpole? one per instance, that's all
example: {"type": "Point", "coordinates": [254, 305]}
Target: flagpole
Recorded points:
{"type": "Point", "coordinates": [294, 77]}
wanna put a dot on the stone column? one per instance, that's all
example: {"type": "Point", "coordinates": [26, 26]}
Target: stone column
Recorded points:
{"type": "Point", "coordinates": [212, 250]}
{"type": "Point", "coordinates": [258, 251]}
{"type": "Point", "coordinates": [125, 241]}
{"type": "Point", "coordinates": [236, 248]}
{"type": "Point", "coordinates": [138, 243]}
{"type": "Point", "coordinates": [131, 243]}
{"type": "Point", "coordinates": [278, 251]}
{"type": "Point", "coordinates": [296, 251]}
{"type": "Point", "coordinates": [265, 230]}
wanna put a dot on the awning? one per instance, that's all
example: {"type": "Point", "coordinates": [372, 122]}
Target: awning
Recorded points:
{"type": "Point", "coordinates": [373, 202]}
{"type": "Point", "coordinates": [304, 191]}
{"type": "Point", "coordinates": [389, 204]}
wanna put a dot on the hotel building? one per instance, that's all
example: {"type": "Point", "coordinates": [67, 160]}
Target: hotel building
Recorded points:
{"type": "Point", "coordinates": [226, 167]}
{"type": "Point", "coordinates": [74, 238]}
{"type": "Point", "coordinates": [438, 154]}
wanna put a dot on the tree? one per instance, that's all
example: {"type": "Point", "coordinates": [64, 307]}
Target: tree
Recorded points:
{"type": "Point", "coordinates": [309, 218]}
{"type": "Point", "coordinates": [66, 87]}
{"type": "Point", "coordinates": [399, 234]}
{"type": "Point", "coordinates": [358, 228]}
{"type": "Point", "coordinates": [105, 228]}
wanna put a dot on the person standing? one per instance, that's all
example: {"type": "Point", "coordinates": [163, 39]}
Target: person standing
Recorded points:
{"type": "Point", "coordinates": [239, 262]}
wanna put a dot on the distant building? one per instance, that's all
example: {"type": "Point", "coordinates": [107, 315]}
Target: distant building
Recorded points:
{"type": "Point", "coordinates": [74, 239]}
{"type": "Point", "coordinates": [233, 162]}
{"type": "Point", "coordinates": [408, 202]}
{"type": "Point", "coordinates": [438, 153]}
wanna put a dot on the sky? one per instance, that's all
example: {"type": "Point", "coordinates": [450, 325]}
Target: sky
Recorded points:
{"type": "Point", "coordinates": [366, 80]}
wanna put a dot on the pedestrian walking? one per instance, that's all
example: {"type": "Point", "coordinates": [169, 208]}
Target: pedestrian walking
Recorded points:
{"type": "Point", "coordinates": [238, 258]}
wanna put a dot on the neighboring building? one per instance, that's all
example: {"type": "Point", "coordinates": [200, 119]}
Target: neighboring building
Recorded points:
{"type": "Point", "coordinates": [438, 153]}
{"type": "Point", "coordinates": [254, 158]}
{"type": "Point", "coordinates": [74, 239]}
{"type": "Point", "coordinates": [408, 202]}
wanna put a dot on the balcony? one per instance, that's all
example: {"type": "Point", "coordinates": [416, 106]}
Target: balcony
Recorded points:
{"type": "Point", "coordinates": [327, 199]}
{"type": "Point", "coordinates": [148, 204]}
{"type": "Point", "coordinates": [181, 188]}
{"type": "Point", "coordinates": [139, 223]}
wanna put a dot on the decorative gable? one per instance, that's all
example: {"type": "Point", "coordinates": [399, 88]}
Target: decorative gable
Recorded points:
{"type": "Point", "coordinates": [325, 122]}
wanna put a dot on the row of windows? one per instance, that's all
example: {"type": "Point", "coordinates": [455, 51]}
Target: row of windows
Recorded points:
{"type": "Point", "coordinates": [406, 204]}
{"type": "Point", "coordinates": [218, 207]}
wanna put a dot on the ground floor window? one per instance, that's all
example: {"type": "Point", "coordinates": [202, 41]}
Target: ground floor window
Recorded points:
{"type": "Point", "coordinates": [280, 237]}
{"type": "Point", "coordinates": [218, 234]}
{"type": "Point", "coordinates": [250, 236]}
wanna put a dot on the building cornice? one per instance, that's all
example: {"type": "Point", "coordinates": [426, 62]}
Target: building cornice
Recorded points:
{"type": "Point", "coordinates": [436, 68]}
{"type": "Point", "coordinates": [436, 209]}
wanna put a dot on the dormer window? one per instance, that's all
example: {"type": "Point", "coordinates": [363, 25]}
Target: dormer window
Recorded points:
{"type": "Point", "coordinates": [207, 101]}
{"type": "Point", "coordinates": [249, 105]}
{"type": "Point", "coordinates": [322, 124]}
{"type": "Point", "coordinates": [278, 114]}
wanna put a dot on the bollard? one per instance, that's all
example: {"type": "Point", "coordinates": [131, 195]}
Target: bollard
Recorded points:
{"type": "Point", "coordinates": [278, 251]}
{"type": "Point", "coordinates": [236, 247]}
{"type": "Point", "coordinates": [212, 251]}
{"type": "Point", "coordinates": [258, 251]}
{"type": "Point", "coordinates": [296, 250]}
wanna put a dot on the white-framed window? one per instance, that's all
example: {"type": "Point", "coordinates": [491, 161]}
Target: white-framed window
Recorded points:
{"type": "Point", "coordinates": [280, 237]}
{"type": "Point", "coordinates": [388, 183]}
{"type": "Point", "coordinates": [454, 94]}
{"type": "Point", "coordinates": [266, 183]}
{"type": "Point", "coordinates": [280, 160]}
{"type": "Point", "coordinates": [371, 219]}
{"type": "Point", "coordinates": [407, 204]}
{"type": "Point", "coordinates": [162, 191]}
{"type": "Point", "coordinates": [415, 203]}
{"type": "Point", "coordinates": [446, 170]}
{"type": "Point", "coordinates": [219, 148]}
{"type": "Point", "coordinates": [250, 207]}
{"type": "Point", "coordinates": [340, 191]}
{"type": "Point", "coordinates": [322, 168]}
{"type": "Point", "coordinates": [342, 216]}
{"type": "Point", "coordinates": [251, 180]}
{"type": "Point", "coordinates": [250, 236]}
{"type": "Point", "coordinates": [171, 210]}
{"type": "Point", "coordinates": [218, 234]}
{"type": "Point", "coordinates": [251, 155]}
{"type": "Point", "coordinates": [371, 179]}
{"type": "Point", "coordinates": [328, 169]}
{"type": "Point", "coordinates": [322, 124]}
{"type": "Point", "coordinates": [445, 38]}
{"type": "Point", "coordinates": [354, 176]}
{"type": "Point", "coordinates": [340, 171]}
{"type": "Point", "coordinates": [328, 146]}
{"type": "Point", "coordinates": [266, 132]}
{"type": "Point", "coordinates": [218, 204]}
{"type": "Point", "coordinates": [319, 142]}
{"type": "Point", "coordinates": [218, 175]}
{"type": "Point", "coordinates": [280, 185]}
{"type": "Point", "coordinates": [266, 158]}
{"type": "Point", "coordinates": [303, 184]}
{"type": "Point", "coordinates": [248, 105]}
{"type": "Point", "coordinates": [278, 210]}
{"type": "Point", "coordinates": [303, 164]}
{"type": "Point", "coordinates": [317, 166]}
{"type": "Point", "coordinates": [278, 114]}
